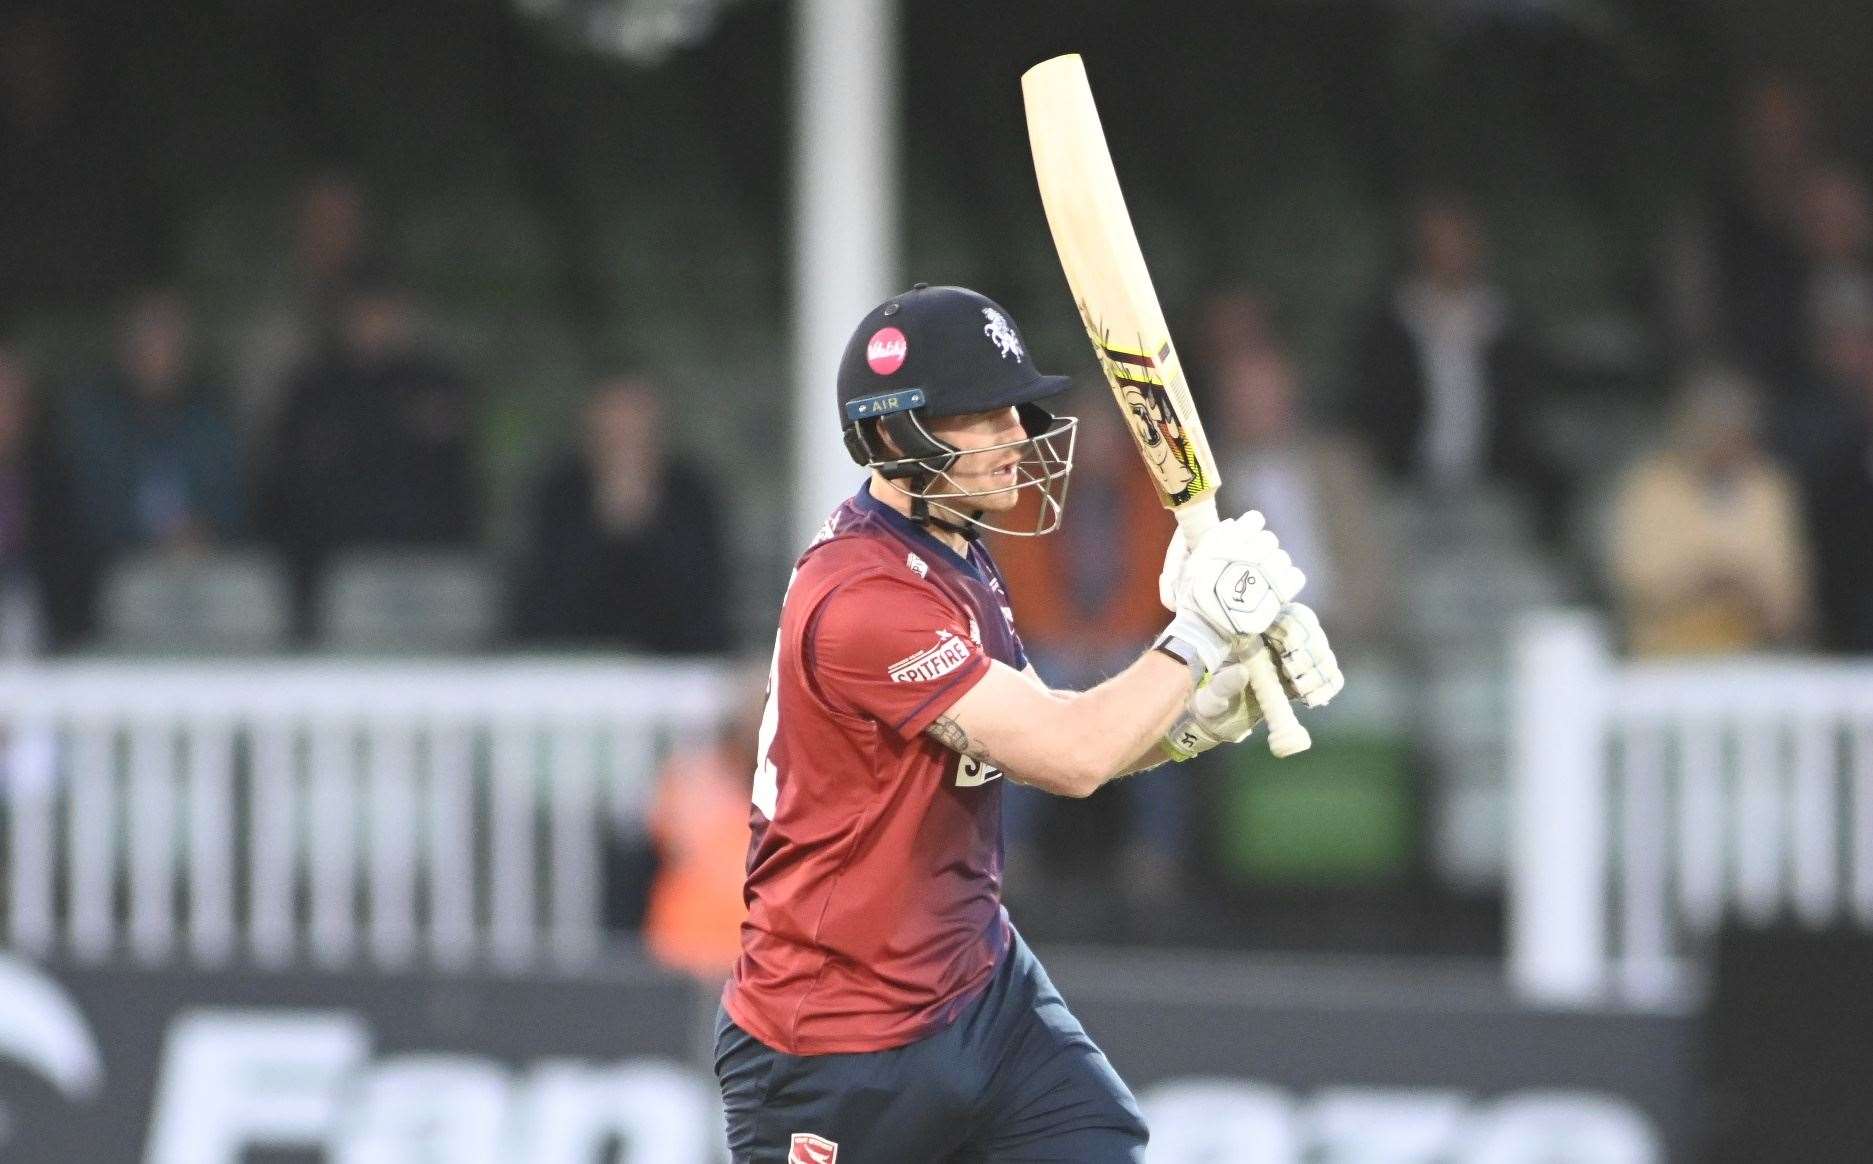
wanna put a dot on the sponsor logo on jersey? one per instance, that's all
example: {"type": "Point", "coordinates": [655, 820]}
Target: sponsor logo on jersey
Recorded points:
{"type": "Point", "coordinates": [886, 349]}
{"type": "Point", "coordinates": [975, 631]}
{"type": "Point", "coordinates": [917, 565]}
{"type": "Point", "coordinates": [973, 773]}
{"type": "Point", "coordinates": [1002, 334]}
{"type": "Point", "coordinates": [808, 1148]}
{"type": "Point", "coordinates": [930, 663]}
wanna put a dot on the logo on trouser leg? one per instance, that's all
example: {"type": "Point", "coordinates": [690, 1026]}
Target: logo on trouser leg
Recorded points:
{"type": "Point", "coordinates": [811, 1149]}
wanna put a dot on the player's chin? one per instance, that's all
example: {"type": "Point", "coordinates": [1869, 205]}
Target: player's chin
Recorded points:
{"type": "Point", "coordinates": [996, 498]}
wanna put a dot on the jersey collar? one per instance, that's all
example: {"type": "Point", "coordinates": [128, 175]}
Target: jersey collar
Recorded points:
{"type": "Point", "coordinates": [910, 530]}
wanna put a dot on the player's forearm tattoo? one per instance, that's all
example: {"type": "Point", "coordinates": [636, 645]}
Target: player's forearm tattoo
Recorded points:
{"type": "Point", "coordinates": [950, 734]}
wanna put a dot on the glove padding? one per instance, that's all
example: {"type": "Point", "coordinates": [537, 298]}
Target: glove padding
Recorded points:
{"type": "Point", "coordinates": [1222, 710]}
{"type": "Point", "coordinates": [1236, 580]}
{"type": "Point", "coordinates": [1310, 672]}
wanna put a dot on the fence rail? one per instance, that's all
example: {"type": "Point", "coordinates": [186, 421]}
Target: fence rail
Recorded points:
{"type": "Point", "coordinates": [1655, 801]}
{"type": "Point", "coordinates": [339, 813]}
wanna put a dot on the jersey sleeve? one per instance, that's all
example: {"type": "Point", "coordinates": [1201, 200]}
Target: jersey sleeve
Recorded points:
{"type": "Point", "coordinates": [893, 649]}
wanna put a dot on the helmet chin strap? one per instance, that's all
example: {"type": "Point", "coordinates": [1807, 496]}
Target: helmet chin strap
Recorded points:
{"type": "Point", "coordinates": [921, 514]}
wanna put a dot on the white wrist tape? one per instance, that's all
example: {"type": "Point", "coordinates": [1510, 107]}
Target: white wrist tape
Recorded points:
{"type": "Point", "coordinates": [1208, 647]}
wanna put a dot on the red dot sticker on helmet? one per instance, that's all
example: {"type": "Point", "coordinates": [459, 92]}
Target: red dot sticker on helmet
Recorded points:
{"type": "Point", "coordinates": [885, 350]}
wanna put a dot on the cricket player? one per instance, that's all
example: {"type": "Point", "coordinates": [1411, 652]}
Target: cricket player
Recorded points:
{"type": "Point", "coordinates": [884, 1010]}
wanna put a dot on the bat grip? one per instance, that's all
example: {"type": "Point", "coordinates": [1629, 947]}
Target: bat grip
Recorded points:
{"type": "Point", "coordinates": [1286, 734]}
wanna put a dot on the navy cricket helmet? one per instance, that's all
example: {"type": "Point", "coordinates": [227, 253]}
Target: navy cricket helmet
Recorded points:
{"type": "Point", "coordinates": [948, 351]}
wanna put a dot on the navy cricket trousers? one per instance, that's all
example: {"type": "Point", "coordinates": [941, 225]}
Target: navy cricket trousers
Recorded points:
{"type": "Point", "coordinates": [1015, 1078]}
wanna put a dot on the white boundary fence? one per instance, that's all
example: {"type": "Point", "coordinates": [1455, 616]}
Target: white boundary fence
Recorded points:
{"type": "Point", "coordinates": [335, 813]}
{"type": "Point", "coordinates": [1653, 801]}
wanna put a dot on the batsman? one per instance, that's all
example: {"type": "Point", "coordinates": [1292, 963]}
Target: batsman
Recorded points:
{"type": "Point", "coordinates": [884, 1007]}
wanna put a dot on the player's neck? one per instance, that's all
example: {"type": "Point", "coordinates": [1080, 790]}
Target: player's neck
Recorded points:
{"type": "Point", "coordinates": [950, 538]}
{"type": "Point", "coordinates": [901, 501]}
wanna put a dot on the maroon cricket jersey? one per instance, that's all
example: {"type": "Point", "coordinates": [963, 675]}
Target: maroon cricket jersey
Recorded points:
{"type": "Point", "coordinates": [874, 871]}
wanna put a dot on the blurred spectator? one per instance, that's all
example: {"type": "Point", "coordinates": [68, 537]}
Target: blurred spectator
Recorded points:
{"type": "Point", "coordinates": [1231, 321]}
{"type": "Point", "coordinates": [159, 467]}
{"type": "Point", "coordinates": [1836, 229]}
{"type": "Point", "coordinates": [1446, 382]}
{"type": "Point", "coordinates": [1708, 551]}
{"type": "Point", "coordinates": [1839, 479]}
{"type": "Point", "coordinates": [699, 825]}
{"type": "Point", "coordinates": [1761, 271]}
{"type": "Point", "coordinates": [1836, 232]}
{"type": "Point", "coordinates": [331, 244]}
{"type": "Point", "coordinates": [42, 593]}
{"type": "Point", "coordinates": [1318, 490]}
{"type": "Point", "coordinates": [374, 443]}
{"type": "Point", "coordinates": [1080, 618]}
{"type": "Point", "coordinates": [80, 213]}
{"type": "Point", "coordinates": [1085, 599]}
{"type": "Point", "coordinates": [626, 545]}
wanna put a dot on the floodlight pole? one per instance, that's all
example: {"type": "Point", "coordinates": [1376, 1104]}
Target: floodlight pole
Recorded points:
{"type": "Point", "coordinates": [845, 222]}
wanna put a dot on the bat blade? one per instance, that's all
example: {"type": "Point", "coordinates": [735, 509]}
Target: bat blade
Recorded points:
{"type": "Point", "coordinates": [1112, 287]}
{"type": "Point", "coordinates": [1110, 283]}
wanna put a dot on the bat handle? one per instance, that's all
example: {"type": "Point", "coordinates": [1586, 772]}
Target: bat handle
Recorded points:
{"type": "Point", "coordinates": [1286, 734]}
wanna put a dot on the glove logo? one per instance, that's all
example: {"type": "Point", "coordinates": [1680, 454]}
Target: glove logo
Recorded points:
{"type": "Point", "coordinates": [807, 1148]}
{"type": "Point", "coordinates": [1240, 594]}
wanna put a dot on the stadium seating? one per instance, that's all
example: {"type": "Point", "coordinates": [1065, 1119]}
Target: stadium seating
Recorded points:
{"type": "Point", "coordinates": [407, 602]}
{"type": "Point", "coordinates": [219, 603]}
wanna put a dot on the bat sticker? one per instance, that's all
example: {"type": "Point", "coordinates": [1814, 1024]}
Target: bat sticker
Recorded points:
{"type": "Point", "coordinates": [1137, 376]}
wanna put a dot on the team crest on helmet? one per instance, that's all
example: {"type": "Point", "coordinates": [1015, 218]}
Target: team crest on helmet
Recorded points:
{"type": "Point", "coordinates": [999, 330]}
{"type": "Point", "coordinates": [811, 1149]}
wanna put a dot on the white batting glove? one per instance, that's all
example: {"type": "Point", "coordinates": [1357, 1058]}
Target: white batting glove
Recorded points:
{"type": "Point", "coordinates": [1177, 553]}
{"type": "Point", "coordinates": [1309, 669]}
{"type": "Point", "coordinates": [1233, 583]}
{"type": "Point", "coordinates": [1222, 710]}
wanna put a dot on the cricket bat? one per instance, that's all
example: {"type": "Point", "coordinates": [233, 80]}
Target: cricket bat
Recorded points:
{"type": "Point", "coordinates": [1107, 274]}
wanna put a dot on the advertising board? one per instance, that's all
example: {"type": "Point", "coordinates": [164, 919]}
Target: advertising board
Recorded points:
{"type": "Point", "coordinates": [1278, 1066]}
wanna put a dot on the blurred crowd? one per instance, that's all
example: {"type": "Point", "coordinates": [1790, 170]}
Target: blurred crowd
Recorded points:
{"type": "Point", "coordinates": [1742, 522]}
{"type": "Point", "coordinates": [330, 425]}
{"type": "Point", "coordinates": [334, 428]}
{"type": "Point", "coordinates": [365, 445]}
{"type": "Point", "coordinates": [1747, 528]}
